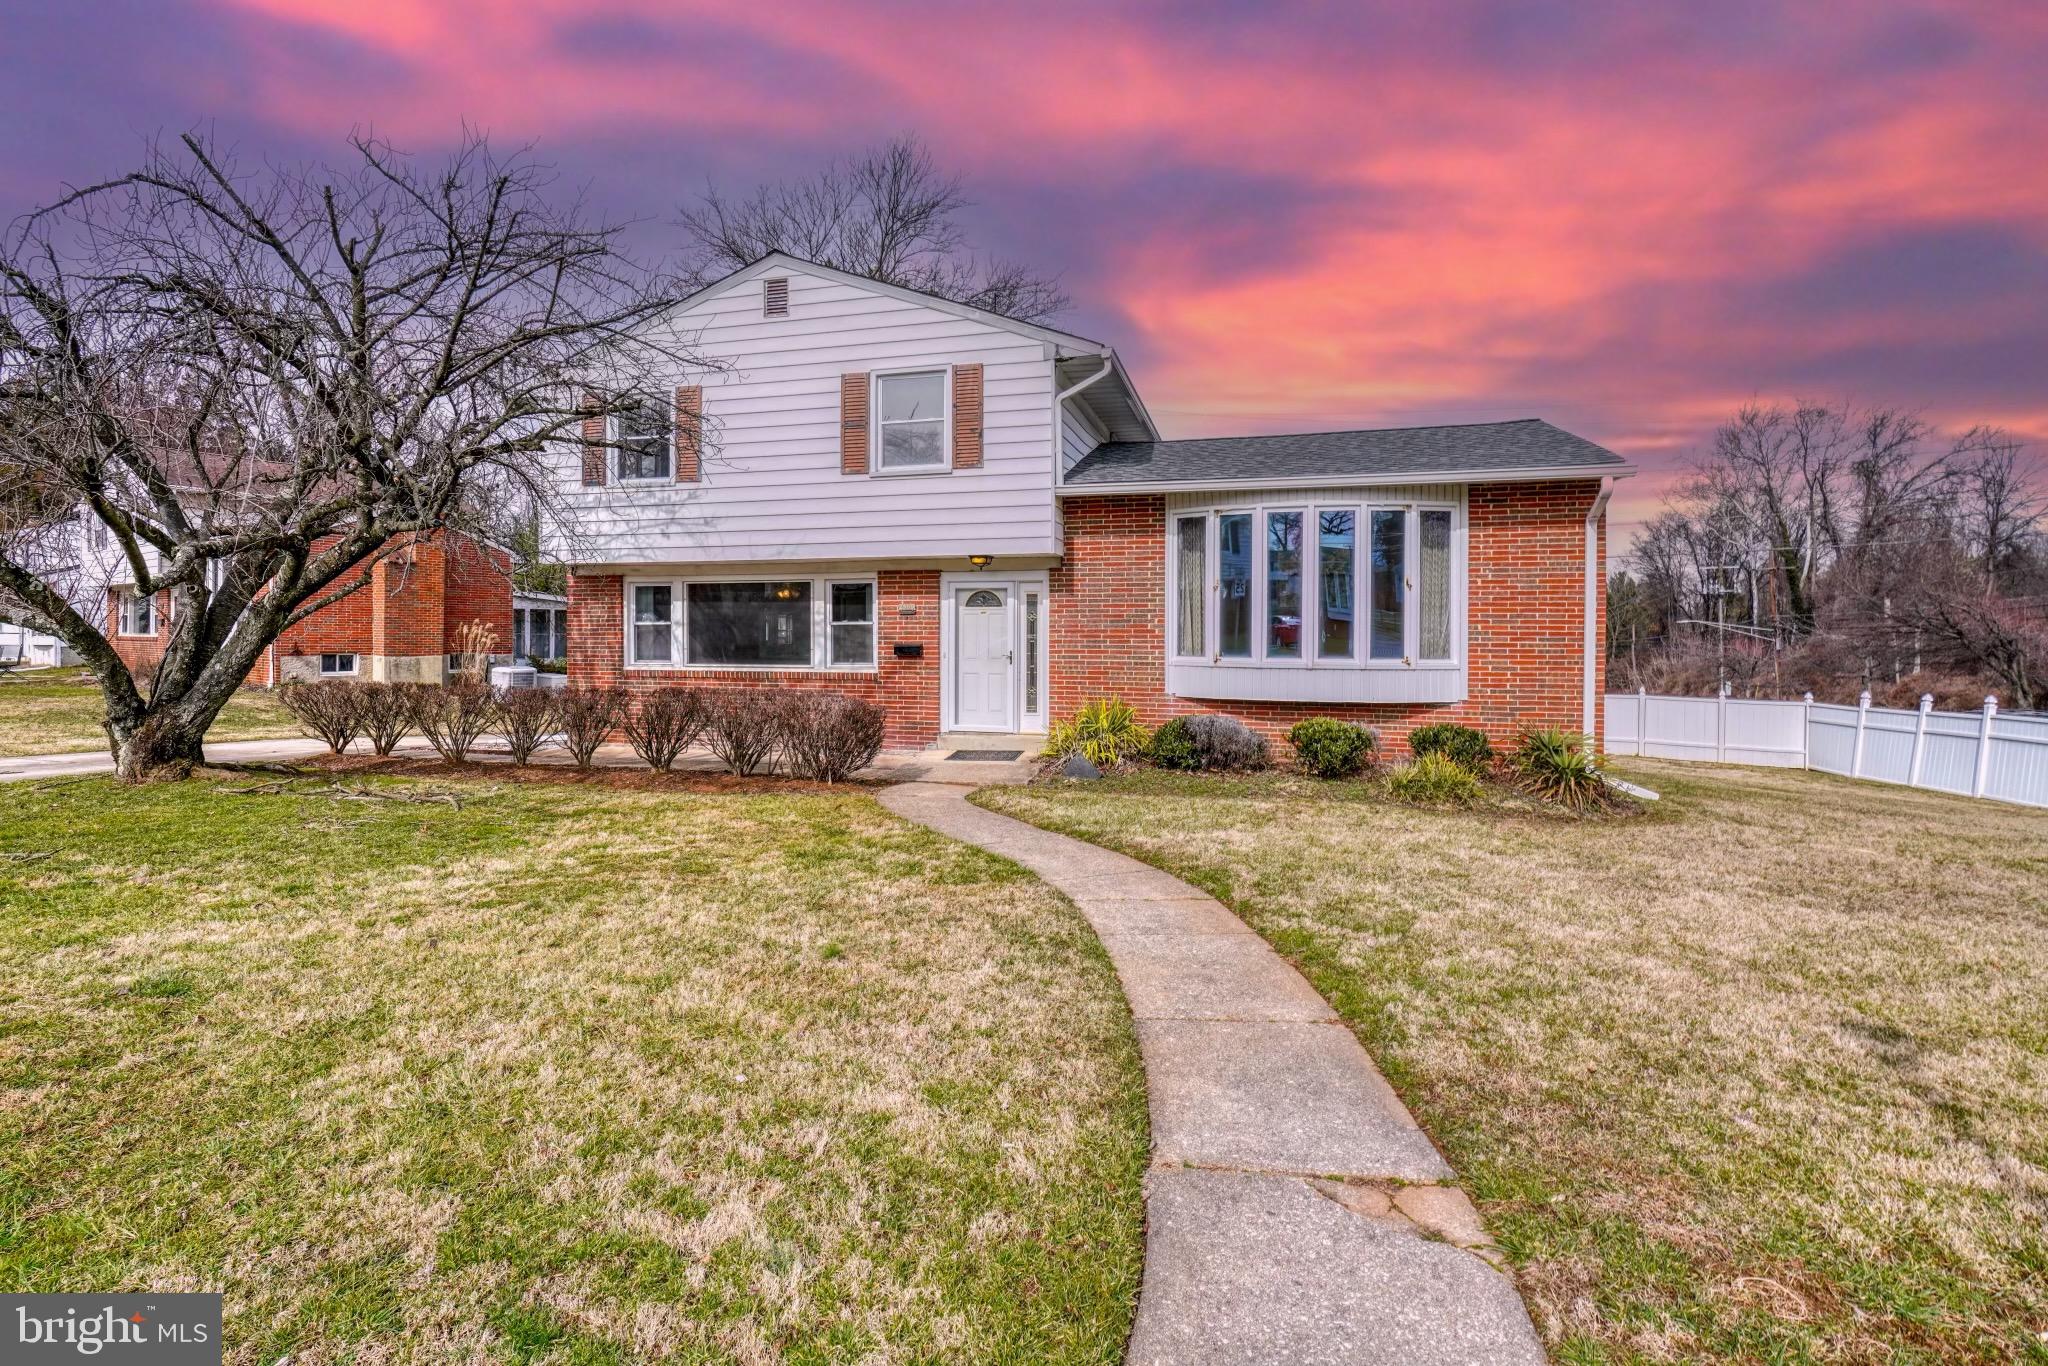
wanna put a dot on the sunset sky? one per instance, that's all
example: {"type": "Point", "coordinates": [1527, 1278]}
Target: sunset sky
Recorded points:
{"type": "Point", "coordinates": [1625, 217]}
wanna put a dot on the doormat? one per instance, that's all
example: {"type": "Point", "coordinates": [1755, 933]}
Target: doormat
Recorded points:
{"type": "Point", "coordinates": [986, 756]}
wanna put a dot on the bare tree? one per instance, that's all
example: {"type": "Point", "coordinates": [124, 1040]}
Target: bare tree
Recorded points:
{"type": "Point", "coordinates": [261, 382]}
{"type": "Point", "coordinates": [890, 214]}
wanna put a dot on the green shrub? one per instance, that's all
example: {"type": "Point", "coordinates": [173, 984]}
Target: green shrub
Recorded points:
{"type": "Point", "coordinates": [1208, 741]}
{"type": "Point", "coordinates": [1106, 731]}
{"type": "Point", "coordinates": [1330, 748]}
{"type": "Point", "coordinates": [1435, 779]}
{"type": "Point", "coordinates": [1173, 746]}
{"type": "Point", "coordinates": [1462, 745]}
{"type": "Point", "coordinates": [1561, 767]}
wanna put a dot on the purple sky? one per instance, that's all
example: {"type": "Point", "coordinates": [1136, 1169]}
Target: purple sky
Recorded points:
{"type": "Point", "coordinates": [1625, 217]}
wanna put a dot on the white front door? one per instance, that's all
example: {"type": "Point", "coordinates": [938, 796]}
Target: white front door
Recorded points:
{"type": "Point", "coordinates": [984, 660]}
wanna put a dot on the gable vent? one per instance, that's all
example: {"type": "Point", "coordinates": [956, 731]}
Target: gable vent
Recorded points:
{"type": "Point", "coordinates": [775, 297]}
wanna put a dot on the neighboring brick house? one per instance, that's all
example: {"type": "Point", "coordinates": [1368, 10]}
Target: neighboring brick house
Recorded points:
{"type": "Point", "coordinates": [974, 522]}
{"type": "Point", "coordinates": [400, 627]}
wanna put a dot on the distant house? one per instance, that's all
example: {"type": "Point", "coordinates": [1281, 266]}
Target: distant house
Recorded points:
{"type": "Point", "coordinates": [975, 522]}
{"type": "Point", "coordinates": [31, 648]}
{"type": "Point", "coordinates": [403, 626]}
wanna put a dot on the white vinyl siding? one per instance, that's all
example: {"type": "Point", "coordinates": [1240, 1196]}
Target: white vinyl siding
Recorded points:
{"type": "Point", "coordinates": [1079, 434]}
{"type": "Point", "coordinates": [771, 487]}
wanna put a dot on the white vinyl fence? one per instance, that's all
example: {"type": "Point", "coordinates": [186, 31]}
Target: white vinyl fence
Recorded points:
{"type": "Point", "coordinates": [1973, 754]}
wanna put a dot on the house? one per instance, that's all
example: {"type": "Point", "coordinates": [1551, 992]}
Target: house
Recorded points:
{"type": "Point", "coordinates": [975, 522]}
{"type": "Point", "coordinates": [425, 602]}
{"type": "Point", "coordinates": [27, 647]}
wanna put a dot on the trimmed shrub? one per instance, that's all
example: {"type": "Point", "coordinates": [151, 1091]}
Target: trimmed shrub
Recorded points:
{"type": "Point", "coordinates": [829, 737]}
{"type": "Point", "coordinates": [745, 726]}
{"type": "Point", "coordinates": [331, 710]}
{"type": "Point", "coordinates": [667, 722]}
{"type": "Point", "coordinates": [1208, 741]}
{"type": "Point", "coordinates": [1560, 767]}
{"type": "Point", "coordinates": [1329, 748]}
{"type": "Point", "coordinates": [1435, 779]}
{"type": "Point", "coordinates": [1462, 745]}
{"type": "Point", "coordinates": [588, 716]}
{"type": "Point", "coordinates": [526, 718]}
{"type": "Point", "coordinates": [386, 713]}
{"type": "Point", "coordinates": [1105, 730]}
{"type": "Point", "coordinates": [454, 716]}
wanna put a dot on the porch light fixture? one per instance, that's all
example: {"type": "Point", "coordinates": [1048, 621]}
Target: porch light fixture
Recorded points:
{"type": "Point", "coordinates": [981, 561]}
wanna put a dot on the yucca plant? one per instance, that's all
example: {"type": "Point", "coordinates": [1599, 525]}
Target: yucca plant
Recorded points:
{"type": "Point", "coordinates": [1435, 779]}
{"type": "Point", "coordinates": [1561, 767]}
{"type": "Point", "coordinates": [1106, 731]}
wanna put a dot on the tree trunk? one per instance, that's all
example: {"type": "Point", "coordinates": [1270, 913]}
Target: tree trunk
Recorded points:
{"type": "Point", "coordinates": [161, 749]}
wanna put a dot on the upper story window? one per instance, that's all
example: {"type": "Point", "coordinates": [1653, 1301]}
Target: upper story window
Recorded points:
{"type": "Point", "coordinates": [910, 420]}
{"type": "Point", "coordinates": [138, 614]}
{"type": "Point", "coordinates": [642, 438]}
{"type": "Point", "coordinates": [1285, 585]}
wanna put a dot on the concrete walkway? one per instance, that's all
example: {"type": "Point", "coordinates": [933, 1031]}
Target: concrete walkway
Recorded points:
{"type": "Point", "coordinates": [1295, 1213]}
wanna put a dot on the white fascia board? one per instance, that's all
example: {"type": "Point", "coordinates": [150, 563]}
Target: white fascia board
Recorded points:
{"type": "Point", "coordinates": [1533, 475]}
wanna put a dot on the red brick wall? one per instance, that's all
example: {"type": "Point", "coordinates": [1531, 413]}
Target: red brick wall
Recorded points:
{"type": "Point", "coordinates": [1525, 619]}
{"type": "Point", "coordinates": [907, 688]}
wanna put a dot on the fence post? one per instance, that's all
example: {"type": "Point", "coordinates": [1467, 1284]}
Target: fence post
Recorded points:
{"type": "Point", "coordinates": [1642, 716]}
{"type": "Point", "coordinates": [1920, 738]}
{"type": "Point", "coordinates": [1862, 723]}
{"type": "Point", "coordinates": [1721, 725]}
{"type": "Point", "coordinates": [1984, 747]}
{"type": "Point", "coordinates": [1806, 732]}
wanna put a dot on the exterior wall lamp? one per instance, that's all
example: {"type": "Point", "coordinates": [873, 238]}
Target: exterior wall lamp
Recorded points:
{"type": "Point", "coordinates": [981, 561]}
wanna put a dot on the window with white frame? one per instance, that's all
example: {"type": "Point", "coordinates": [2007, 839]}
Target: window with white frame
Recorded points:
{"type": "Point", "coordinates": [770, 623]}
{"type": "Point", "coordinates": [1286, 585]}
{"type": "Point", "coordinates": [337, 664]}
{"type": "Point", "coordinates": [910, 421]}
{"type": "Point", "coordinates": [852, 633]}
{"type": "Point", "coordinates": [138, 614]}
{"type": "Point", "coordinates": [642, 436]}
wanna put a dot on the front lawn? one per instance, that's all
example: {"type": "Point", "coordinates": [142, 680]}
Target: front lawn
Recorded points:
{"type": "Point", "coordinates": [562, 1074]}
{"type": "Point", "coordinates": [59, 711]}
{"type": "Point", "coordinates": [1759, 1075]}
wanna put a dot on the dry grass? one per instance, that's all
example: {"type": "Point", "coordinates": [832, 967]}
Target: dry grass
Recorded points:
{"type": "Point", "coordinates": [567, 1074]}
{"type": "Point", "coordinates": [1761, 1074]}
{"type": "Point", "coordinates": [58, 711]}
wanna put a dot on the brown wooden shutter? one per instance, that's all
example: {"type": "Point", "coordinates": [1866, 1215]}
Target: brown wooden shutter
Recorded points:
{"type": "Point", "coordinates": [966, 417]}
{"type": "Point", "coordinates": [853, 424]}
{"type": "Point", "coordinates": [593, 440]}
{"type": "Point", "coordinates": [689, 433]}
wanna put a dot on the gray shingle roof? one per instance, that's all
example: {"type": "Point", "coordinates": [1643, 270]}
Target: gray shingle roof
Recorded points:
{"type": "Point", "coordinates": [1475, 448]}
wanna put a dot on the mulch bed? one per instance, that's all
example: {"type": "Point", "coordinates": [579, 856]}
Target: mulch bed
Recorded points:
{"type": "Point", "coordinates": [620, 779]}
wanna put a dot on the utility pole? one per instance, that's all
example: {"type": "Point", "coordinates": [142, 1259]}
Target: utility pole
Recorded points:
{"type": "Point", "coordinates": [1721, 589]}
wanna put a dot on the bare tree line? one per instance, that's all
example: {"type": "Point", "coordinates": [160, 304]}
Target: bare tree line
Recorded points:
{"type": "Point", "coordinates": [1830, 549]}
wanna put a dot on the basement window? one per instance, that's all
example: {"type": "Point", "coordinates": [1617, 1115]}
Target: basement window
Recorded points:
{"type": "Point", "coordinates": [337, 665]}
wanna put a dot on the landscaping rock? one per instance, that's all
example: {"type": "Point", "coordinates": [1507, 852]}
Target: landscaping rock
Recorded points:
{"type": "Point", "coordinates": [1077, 766]}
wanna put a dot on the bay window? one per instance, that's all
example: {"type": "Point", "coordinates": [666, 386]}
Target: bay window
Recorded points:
{"type": "Point", "coordinates": [1191, 583]}
{"type": "Point", "coordinates": [1363, 586]}
{"type": "Point", "coordinates": [1234, 585]}
{"type": "Point", "coordinates": [806, 623]}
{"type": "Point", "coordinates": [1337, 567]}
{"type": "Point", "coordinates": [1283, 585]}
